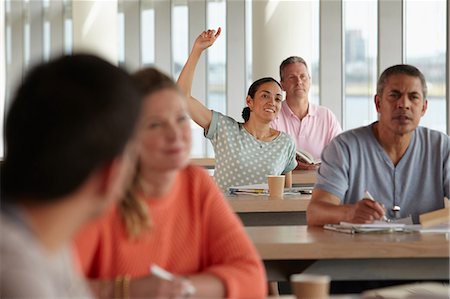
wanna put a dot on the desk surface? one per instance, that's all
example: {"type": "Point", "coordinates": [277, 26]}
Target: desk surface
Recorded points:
{"type": "Point", "coordinates": [262, 203]}
{"type": "Point", "coordinates": [373, 256]}
{"type": "Point", "coordinates": [301, 242]}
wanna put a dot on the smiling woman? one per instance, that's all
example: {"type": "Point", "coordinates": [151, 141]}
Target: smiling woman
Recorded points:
{"type": "Point", "coordinates": [245, 152]}
{"type": "Point", "coordinates": [173, 216]}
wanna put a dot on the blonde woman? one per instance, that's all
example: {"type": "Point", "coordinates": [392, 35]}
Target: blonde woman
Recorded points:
{"type": "Point", "coordinates": [174, 216]}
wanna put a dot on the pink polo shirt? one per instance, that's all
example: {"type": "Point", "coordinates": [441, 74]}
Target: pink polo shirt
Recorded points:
{"type": "Point", "coordinates": [312, 133]}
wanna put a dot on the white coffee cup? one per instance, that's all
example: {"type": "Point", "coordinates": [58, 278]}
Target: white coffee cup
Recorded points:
{"type": "Point", "coordinates": [309, 286]}
{"type": "Point", "coordinates": [276, 186]}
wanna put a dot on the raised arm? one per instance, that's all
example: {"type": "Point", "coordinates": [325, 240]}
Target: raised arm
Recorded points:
{"type": "Point", "coordinates": [199, 113]}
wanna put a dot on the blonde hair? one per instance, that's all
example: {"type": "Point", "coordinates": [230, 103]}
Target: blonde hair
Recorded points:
{"type": "Point", "coordinates": [132, 207]}
{"type": "Point", "coordinates": [134, 211]}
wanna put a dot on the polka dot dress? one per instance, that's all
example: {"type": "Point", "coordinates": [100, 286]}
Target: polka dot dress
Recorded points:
{"type": "Point", "coordinates": [241, 159]}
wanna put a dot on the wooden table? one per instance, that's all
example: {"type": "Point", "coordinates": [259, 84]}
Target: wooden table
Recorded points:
{"type": "Point", "coordinates": [208, 163]}
{"type": "Point", "coordinates": [260, 210]}
{"type": "Point", "coordinates": [370, 256]}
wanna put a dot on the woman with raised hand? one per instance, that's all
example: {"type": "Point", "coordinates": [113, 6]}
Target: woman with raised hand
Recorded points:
{"type": "Point", "coordinates": [246, 152]}
{"type": "Point", "coordinates": [174, 216]}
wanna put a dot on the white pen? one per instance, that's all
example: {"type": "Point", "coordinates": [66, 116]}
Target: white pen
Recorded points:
{"type": "Point", "coordinates": [369, 196]}
{"type": "Point", "coordinates": [163, 274]}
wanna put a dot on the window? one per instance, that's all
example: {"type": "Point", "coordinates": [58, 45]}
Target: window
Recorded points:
{"type": "Point", "coordinates": [180, 36]}
{"type": "Point", "coordinates": [360, 62]}
{"type": "Point", "coordinates": [121, 33]}
{"type": "Point", "coordinates": [216, 57]}
{"type": "Point", "coordinates": [147, 35]}
{"type": "Point", "coordinates": [425, 43]}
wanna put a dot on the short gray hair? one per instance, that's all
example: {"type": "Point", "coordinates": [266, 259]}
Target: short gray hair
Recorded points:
{"type": "Point", "coordinates": [291, 60]}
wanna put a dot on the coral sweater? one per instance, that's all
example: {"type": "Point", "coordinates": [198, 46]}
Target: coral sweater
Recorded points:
{"type": "Point", "coordinates": [194, 231]}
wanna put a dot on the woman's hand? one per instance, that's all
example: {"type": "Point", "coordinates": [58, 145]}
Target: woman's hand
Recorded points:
{"type": "Point", "coordinates": [207, 38]}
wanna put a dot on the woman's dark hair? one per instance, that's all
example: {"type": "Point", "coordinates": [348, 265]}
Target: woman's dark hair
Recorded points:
{"type": "Point", "coordinates": [252, 91]}
{"type": "Point", "coordinates": [246, 113]}
{"type": "Point", "coordinates": [255, 85]}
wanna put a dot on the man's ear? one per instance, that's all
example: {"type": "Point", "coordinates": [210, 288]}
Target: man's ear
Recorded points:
{"type": "Point", "coordinates": [377, 101]}
{"type": "Point", "coordinates": [282, 85]}
{"type": "Point", "coordinates": [424, 107]}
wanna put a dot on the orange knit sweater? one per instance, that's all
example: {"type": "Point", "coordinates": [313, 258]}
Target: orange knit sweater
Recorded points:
{"type": "Point", "coordinates": [194, 230]}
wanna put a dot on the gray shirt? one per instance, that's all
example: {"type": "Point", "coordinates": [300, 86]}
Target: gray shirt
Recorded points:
{"type": "Point", "coordinates": [241, 159]}
{"type": "Point", "coordinates": [355, 162]}
{"type": "Point", "coordinates": [27, 270]}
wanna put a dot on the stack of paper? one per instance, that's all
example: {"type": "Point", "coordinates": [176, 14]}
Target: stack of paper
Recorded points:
{"type": "Point", "coordinates": [376, 226]}
{"type": "Point", "coordinates": [431, 290]}
{"type": "Point", "coordinates": [263, 189]}
{"type": "Point", "coordinates": [250, 189]}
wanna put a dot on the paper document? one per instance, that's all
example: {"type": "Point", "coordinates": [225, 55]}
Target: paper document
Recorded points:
{"type": "Point", "coordinates": [432, 290]}
{"type": "Point", "coordinates": [263, 189]}
{"type": "Point", "coordinates": [376, 226]}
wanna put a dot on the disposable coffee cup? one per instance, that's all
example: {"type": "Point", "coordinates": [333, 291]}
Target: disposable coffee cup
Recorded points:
{"type": "Point", "coordinates": [276, 186]}
{"type": "Point", "coordinates": [308, 286]}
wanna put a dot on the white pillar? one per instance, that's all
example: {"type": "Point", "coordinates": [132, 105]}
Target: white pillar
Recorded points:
{"type": "Point", "coordinates": [280, 29]}
{"type": "Point", "coordinates": [95, 28]}
{"type": "Point", "coordinates": [2, 73]}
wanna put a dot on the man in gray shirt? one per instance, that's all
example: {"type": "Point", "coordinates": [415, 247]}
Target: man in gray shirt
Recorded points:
{"type": "Point", "coordinates": [68, 157]}
{"type": "Point", "coordinates": [406, 168]}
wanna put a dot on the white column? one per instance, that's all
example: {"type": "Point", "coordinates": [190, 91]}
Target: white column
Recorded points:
{"type": "Point", "coordinates": [56, 19]}
{"type": "Point", "coordinates": [280, 29]}
{"type": "Point", "coordinates": [36, 32]}
{"type": "Point", "coordinates": [2, 74]}
{"type": "Point", "coordinates": [95, 28]}
{"type": "Point", "coordinates": [163, 43]}
{"type": "Point", "coordinates": [131, 10]}
{"type": "Point", "coordinates": [331, 73]}
{"type": "Point", "coordinates": [236, 63]}
{"type": "Point", "coordinates": [390, 34]}
{"type": "Point", "coordinates": [448, 68]}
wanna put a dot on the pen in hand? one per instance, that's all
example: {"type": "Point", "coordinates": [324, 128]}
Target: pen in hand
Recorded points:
{"type": "Point", "coordinates": [369, 196]}
{"type": "Point", "coordinates": [163, 274]}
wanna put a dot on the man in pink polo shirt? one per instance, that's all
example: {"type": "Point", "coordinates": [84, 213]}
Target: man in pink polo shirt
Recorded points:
{"type": "Point", "coordinates": [311, 126]}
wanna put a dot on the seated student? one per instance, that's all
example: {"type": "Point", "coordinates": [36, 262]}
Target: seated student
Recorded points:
{"type": "Point", "coordinates": [245, 153]}
{"type": "Point", "coordinates": [311, 126]}
{"type": "Point", "coordinates": [405, 167]}
{"type": "Point", "coordinates": [67, 158]}
{"type": "Point", "coordinates": [173, 216]}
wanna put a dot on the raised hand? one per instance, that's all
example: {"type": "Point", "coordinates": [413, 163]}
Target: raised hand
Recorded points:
{"type": "Point", "coordinates": [207, 38]}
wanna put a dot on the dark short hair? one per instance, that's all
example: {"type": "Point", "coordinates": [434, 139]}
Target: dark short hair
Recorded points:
{"type": "Point", "coordinates": [68, 117]}
{"type": "Point", "coordinates": [405, 69]}
{"type": "Point", "coordinates": [252, 91]}
{"type": "Point", "coordinates": [291, 60]}
{"type": "Point", "coordinates": [255, 85]}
